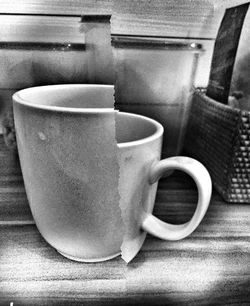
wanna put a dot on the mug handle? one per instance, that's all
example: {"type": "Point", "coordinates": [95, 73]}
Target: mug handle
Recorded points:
{"type": "Point", "coordinates": [198, 172]}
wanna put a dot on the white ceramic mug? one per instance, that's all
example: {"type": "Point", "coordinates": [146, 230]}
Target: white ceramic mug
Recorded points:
{"type": "Point", "coordinates": [87, 193]}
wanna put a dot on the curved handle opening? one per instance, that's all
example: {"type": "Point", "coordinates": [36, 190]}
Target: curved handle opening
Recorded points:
{"type": "Point", "coordinates": [200, 175]}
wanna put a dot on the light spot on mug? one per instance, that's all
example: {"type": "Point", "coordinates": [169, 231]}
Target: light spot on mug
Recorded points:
{"type": "Point", "coordinates": [42, 136]}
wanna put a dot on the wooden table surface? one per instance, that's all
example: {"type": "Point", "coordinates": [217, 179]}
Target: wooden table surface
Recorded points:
{"type": "Point", "coordinates": [211, 267]}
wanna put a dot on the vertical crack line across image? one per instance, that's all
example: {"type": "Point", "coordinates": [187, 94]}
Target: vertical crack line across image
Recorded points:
{"type": "Point", "coordinates": [130, 206]}
{"type": "Point", "coordinates": [130, 203]}
{"type": "Point", "coordinates": [103, 69]}
{"type": "Point", "coordinates": [130, 196]}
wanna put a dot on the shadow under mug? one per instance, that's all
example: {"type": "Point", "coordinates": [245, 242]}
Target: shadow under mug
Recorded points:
{"type": "Point", "coordinates": [83, 203]}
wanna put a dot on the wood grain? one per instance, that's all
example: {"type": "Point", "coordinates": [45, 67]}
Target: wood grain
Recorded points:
{"type": "Point", "coordinates": [210, 267]}
{"type": "Point", "coordinates": [182, 18]}
{"type": "Point", "coordinates": [14, 208]}
{"type": "Point", "coordinates": [41, 29]}
{"type": "Point", "coordinates": [195, 271]}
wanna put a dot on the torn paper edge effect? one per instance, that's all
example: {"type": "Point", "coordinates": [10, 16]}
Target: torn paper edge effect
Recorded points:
{"type": "Point", "coordinates": [97, 29]}
{"type": "Point", "coordinates": [129, 247]}
{"type": "Point", "coordinates": [126, 257]}
{"type": "Point", "coordinates": [123, 254]}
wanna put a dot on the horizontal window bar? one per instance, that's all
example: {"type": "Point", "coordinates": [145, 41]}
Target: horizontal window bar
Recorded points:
{"type": "Point", "coordinates": [118, 41]}
{"type": "Point", "coordinates": [160, 37]}
{"type": "Point", "coordinates": [43, 46]}
{"type": "Point", "coordinates": [96, 18]}
{"type": "Point", "coordinates": [151, 42]}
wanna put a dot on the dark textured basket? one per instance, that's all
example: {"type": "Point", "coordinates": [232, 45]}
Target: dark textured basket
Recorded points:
{"type": "Point", "coordinates": [219, 137]}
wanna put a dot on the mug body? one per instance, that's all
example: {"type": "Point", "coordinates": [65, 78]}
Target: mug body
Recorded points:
{"type": "Point", "coordinates": [85, 193]}
{"type": "Point", "coordinates": [140, 144]}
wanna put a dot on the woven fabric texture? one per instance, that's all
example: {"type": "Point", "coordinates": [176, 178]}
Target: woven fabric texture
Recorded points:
{"type": "Point", "coordinates": [219, 137]}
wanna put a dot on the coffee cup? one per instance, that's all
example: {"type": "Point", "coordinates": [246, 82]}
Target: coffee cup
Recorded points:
{"type": "Point", "coordinates": [91, 172]}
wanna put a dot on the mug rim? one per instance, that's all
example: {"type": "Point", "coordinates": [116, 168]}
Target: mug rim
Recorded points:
{"type": "Point", "coordinates": [158, 133]}
{"type": "Point", "coordinates": [17, 98]}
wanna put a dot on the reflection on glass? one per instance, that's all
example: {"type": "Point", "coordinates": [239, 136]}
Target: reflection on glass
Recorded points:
{"type": "Point", "coordinates": [154, 77]}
